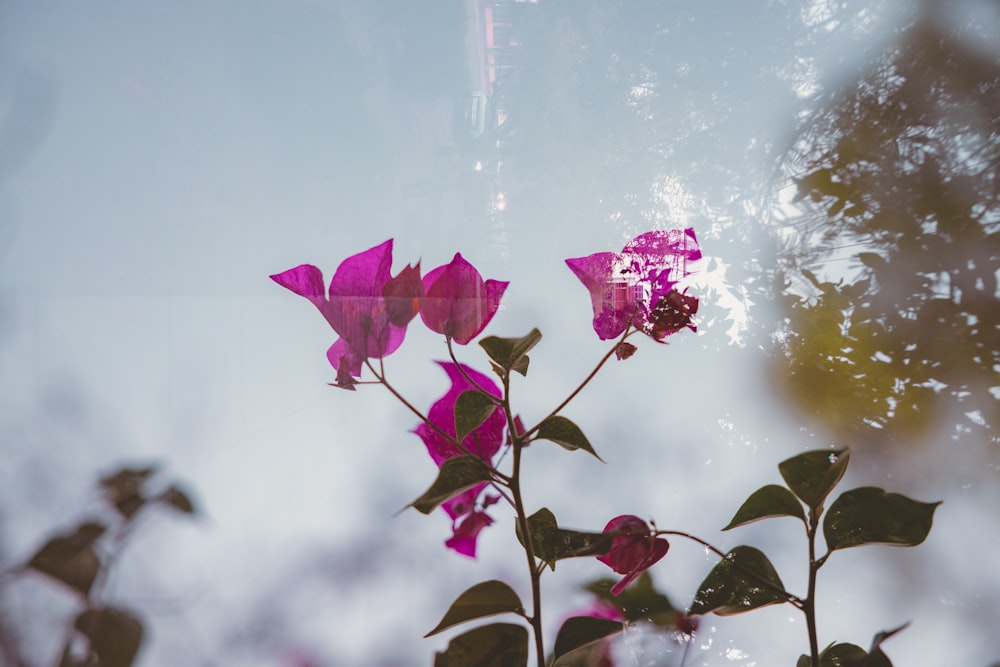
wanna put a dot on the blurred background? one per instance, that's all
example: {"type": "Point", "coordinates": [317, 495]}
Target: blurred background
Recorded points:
{"type": "Point", "coordinates": [158, 160]}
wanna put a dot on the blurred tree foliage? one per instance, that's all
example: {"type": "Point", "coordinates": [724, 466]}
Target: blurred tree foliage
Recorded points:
{"type": "Point", "coordinates": [890, 274]}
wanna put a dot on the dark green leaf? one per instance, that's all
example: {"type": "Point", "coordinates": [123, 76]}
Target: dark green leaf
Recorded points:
{"type": "Point", "coordinates": [177, 499]}
{"type": "Point", "coordinates": [639, 602]}
{"type": "Point", "coordinates": [471, 409]}
{"type": "Point", "coordinates": [115, 635]}
{"type": "Point", "coordinates": [565, 433]}
{"type": "Point", "coordinates": [812, 475]}
{"type": "Point", "coordinates": [743, 580]}
{"type": "Point", "coordinates": [869, 515]}
{"type": "Point", "coordinates": [511, 353]}
{"type": "Point", "coordinates": [803, 661]}
{"type": "Point", "coordinates": [843, 655]}
{"type": "Point", "coordinates": [581, 631]}
{"type": "Point", "coordinates": [70, 558]}
{"type": "Point", "coordinates": [551, 543]}
{"type": "Point", "coordinates": [495, 645]}
{"type": "Point", "coordinates": [768, 501]}
{"type": "Point", "coordinates": [455, 476]}
{"type": "Point", "coordinates": [541, 521]}
{"type": "Point", "coordinates": [483, 599]}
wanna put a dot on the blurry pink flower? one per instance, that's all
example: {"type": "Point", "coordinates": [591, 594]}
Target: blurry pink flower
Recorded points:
{"type": "Point", "coordinates": [633, 549]}
{"type": "Point", "coordinates": [633, 287]}
{"type": "Point", "coordinates": [457, 303]}
{"type": "Point", "coordinates": [484, 441]}
{"type": "Point", "coordinates": [365, 305]}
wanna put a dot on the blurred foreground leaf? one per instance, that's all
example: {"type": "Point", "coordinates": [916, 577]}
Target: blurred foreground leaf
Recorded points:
{"type": "Point", "coordinates": [115, 635]}
{"type": "Point", "coordinates": [70, 558]}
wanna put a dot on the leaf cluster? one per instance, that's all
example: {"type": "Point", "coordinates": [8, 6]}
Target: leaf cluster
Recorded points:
{"type": "Point", "coordinates": [79, 559]}
{"type": "Point", "coordinates": [745, 579]}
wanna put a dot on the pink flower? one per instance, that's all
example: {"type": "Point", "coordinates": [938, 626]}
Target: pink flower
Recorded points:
{"type": "Point", "coordinates": [365, 305]}
{"type": "Point", "coordinates": [466, 531]}
{"type": "Point", "coordinates": [633, 549]}
{"type": "Point", "coordinates": [457, 303]}
{"type": "Point", "coordinates": [484, 441]}
{"type": "Point", "coordinates": [634, 287]}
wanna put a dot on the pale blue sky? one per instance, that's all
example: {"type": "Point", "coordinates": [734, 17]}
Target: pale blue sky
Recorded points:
{"type": "Point", "coordinates": [160, 159]}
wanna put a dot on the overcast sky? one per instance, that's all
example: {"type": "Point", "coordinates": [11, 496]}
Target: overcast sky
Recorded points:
{"type": "Point", "coordinates": [158, 160]}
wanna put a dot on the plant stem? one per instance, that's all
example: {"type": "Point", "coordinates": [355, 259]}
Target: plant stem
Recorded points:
{"type": "Point", "coordinates": [437, 429]}
{"type": "Point", "coordinates": [628, 332]}
{"type": "Point", "coordinates": [810, 602]}
{"type": "Point", "coordinates": [517, 444]}
{"type": "Point", "coordinates": [468, 378]}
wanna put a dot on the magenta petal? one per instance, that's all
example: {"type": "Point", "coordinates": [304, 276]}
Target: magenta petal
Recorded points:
{"type": "Point", "coordinates": [626, 287]}
{"type": "Point", "coordinates": [305, 280]}
{"type": "Point", "coordinates": [485, 440]}
{"type": "Point", "coordinates": [463, 503]}
{"type": "Point", "coordinates": [363, 274]}
{"type": "Point", "coordinates": [340, 356]}
{"type": "Point", "coordinates": [661, 246]}
{"type": "Point", "coordinates": [357, 309]}
{"type": "Point", "coordinates": [657, 551]}
{"type": "Point", "coordinates": [633, 549]}
{"type": "Point", "coordinates": [612, 300]}
{"type": "Point", "coordinates": [463, 539]}
{"type": "Point", "coordinates": [457, 303]}
{"type": "Point", "coordinates": [403, 294]}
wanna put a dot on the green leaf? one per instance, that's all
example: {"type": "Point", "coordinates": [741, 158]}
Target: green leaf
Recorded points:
{"type": "Point", "coordinates": [495, 645]}
{"type": "Point", "coordinates": [551, 543]}
{"type": "Point", "coordinates": [510, 354]}
{"type": "Point", "coordinates": [843, 655]}
{"type": "Point", "coordinates": [115, 635]}
{"type": "Point", "coordinates": [639, 602]}
{"type": "Point", "coordinates": [743, 580]}
{"type": "Point", "coordinates": [803, 661]}
{"type": "Point", "coordinates": [565, 433]}
{"type": "Point", "coordinates": [483, 599]}
{"type": "Point", "coordinates": [70, 558]}
{"type": "Point", "coordinates": [580, 631]}
{"type": "Point", "coordinates": [455, 476]}
{"type": "Point", "coordinates": [869, 515]}
{"type": "Point", "coordinates": [471, 409]}
{"type": "Point", "coordinates": [768, 501]}
{"type": "Point", "coordinates": [812, 475]}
